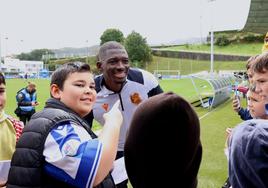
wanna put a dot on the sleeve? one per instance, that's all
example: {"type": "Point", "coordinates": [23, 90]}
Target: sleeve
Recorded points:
{"type": "Point", "coordinates": [18, 126]}
{"type": "Point", "coordinates": [71, 155]}
{"type": "Point", "coordinates": [152, 83]}
{"type": "Point", "coordinates": [244, 114]}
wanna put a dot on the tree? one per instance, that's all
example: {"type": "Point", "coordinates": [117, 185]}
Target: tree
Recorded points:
{"type": "Point", "coordinates": [35, 55]}
{"type": "Point", "coordinates": [137, 48]}
{"type": "Point", "coordinates": [112, 35]}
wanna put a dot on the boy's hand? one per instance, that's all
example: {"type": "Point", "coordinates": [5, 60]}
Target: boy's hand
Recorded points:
{"type": "Point", "coordinates": [236, 103]}
{"type": "Point", "coordinates": [114, 115]}
{"type": "Point", "coordinates": [228, 132]}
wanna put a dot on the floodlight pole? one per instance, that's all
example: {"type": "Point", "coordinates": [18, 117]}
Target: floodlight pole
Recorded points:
{"type": "Point", "coordinates": [211, 42]}
{"type": "Point", "coordinates": [211, 52]}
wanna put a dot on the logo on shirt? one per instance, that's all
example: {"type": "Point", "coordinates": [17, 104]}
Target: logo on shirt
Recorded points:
{"type": "Point", "coordinates": [135, 98]}
{"type": "Point", "coordinates": [105, 106]}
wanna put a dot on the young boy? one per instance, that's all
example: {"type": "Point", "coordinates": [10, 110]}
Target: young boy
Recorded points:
{"type": "Point", "coordinates": [244, 112]}
{"type": "Point", "coordinates": [256, 105]}
{"type": "Point", "coordinates": [10, 131]}
{"type": "Point", "coordinates": [260, 76]}
{"type": "Point", "coordinates": [57, 148]}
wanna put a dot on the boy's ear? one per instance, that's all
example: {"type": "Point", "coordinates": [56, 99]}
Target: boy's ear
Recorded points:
{"type": "Point", "coordinates": [99, 66]}
{"type": "Point", "coordinates": [55, 91]}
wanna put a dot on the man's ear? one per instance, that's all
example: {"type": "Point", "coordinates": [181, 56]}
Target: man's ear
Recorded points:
{"type": "Point", "coordinates": [55, 91]}
{"type": "Point", "coordinates": [99, 66]}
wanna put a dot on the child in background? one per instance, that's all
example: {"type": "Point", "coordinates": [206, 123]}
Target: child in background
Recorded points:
{"type": "Point", "coordinates": [256, 105]}
{"type": "Point", "coordinates": [244, 112]}
{"type": "Point", "coordinates": [265, 43]}
{"type": "Point", "coordinates": [10, 131]}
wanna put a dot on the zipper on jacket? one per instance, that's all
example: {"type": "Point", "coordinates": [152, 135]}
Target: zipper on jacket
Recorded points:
{"type": "Point", "coordinates": [121, 101]}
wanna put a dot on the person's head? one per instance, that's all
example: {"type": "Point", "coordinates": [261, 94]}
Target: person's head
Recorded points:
{"type": "Point", "coordinates": [2, 92]}
{"type": "Point", "coordinates": [163, 147]}
{"type": "Point", "coordinates": [260, 74]}
{"type": "Point", "coordinates": [112, 62]}
{"type": "Point", "coordinates": [249, 68]}
{"type": "Point", "coordinates": [266, 38]}
{"type": "Point", "coordinates": [256, 104]}
{"type": "Point", "coordinates": [31, 87]}
{"type": "Point", "coordinates": [248, 151]}
{"type": "Point", "coordinates": [73, 84]}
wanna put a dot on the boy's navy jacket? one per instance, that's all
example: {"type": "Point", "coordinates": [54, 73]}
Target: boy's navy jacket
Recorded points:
{"type": "Point", "coordinates": [248, 155]}
{"type": "Point", "coordinates": [244, 114]}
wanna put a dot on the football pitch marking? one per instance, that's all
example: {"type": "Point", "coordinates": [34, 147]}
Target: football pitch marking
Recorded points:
{"type": "Point", "coordinates": [207, 114]}
{"type": "Point", "coordinates": [212, 110]}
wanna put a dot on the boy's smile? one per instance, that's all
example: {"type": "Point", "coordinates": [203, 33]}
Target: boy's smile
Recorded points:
{"type": "Point", "coordinates": [79, 92]}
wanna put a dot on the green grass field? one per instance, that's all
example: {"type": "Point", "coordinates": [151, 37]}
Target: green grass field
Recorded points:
{"type": "Point", "coordinates": [187, 66]}
{"type": "Point", "coordinates": [213, 171]}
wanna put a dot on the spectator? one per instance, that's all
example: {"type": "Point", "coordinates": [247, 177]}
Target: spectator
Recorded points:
{"type": "Point", "coordinates": [256, 105]}
{"type": "Point", "coordinates": [120, 82]}
{"type": "Point", "coordinates": [248, 151]}
{"type": "Point", "coordinates": [260, 76]}
{"type": "Point", "coordinates": [244, 112]}
{"type": "Point", "coordinates": [10, 131]}
{"type": "Point", "coordinates": [164, 136]}
{"type": "Point", "coordinates": [265, 43]}
{"type": "Point", "coordinates": [57, 148]}
{"type": "Point", "coordinates": [26, 101]}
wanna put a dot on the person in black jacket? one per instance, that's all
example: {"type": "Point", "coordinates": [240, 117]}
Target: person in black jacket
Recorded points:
{"type": "Point", "coordinates": [57, 148]}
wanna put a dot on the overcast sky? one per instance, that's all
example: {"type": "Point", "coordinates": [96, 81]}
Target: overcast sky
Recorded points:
{"type": "Point", "coordinates": [30, 24]}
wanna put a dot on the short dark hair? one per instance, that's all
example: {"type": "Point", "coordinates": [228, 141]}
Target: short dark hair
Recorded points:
{"type": "Point", "coordinates": [260, 63]}
{"type": "Point", "coordinates": [60, 74]}
{"type": "Point", "coordinates": [107, 46]}
{"type": "Point", "coordinates": [146, 138]}
{"type": "Point", "coordinates": [2, 79]}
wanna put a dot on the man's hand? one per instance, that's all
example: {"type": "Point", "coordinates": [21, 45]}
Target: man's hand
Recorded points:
{"type": "Point", "coordinates": [114, 115]}
{"type": "Point", "coordinates": [35, 103]}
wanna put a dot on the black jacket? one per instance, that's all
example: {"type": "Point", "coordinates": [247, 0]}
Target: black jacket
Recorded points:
{"type": "Point", "coordinates": [28, 160]}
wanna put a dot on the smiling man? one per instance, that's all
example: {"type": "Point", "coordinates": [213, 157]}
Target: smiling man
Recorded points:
{"type": "Point", "coordinates": [120, 82]}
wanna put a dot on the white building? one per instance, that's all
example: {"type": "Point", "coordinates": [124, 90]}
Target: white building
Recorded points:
{"type": "Point", "coordinates": [15, 65]}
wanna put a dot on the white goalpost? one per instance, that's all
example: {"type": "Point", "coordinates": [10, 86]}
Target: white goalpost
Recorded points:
{"type": "Point", "coordinates": [167, 74]}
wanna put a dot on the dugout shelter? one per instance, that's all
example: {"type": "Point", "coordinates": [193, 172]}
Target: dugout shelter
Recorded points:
{"type": "Point", "coordinates": [221, 90]}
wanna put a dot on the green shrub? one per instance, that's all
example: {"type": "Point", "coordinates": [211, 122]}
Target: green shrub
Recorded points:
{"type": "Point", "coordinates": [222, 40]}
{"type": "Point", "coordinates": [253, 38]}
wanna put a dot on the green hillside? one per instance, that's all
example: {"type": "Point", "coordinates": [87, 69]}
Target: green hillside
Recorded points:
{"type": "Point", "coordinates": [234, 48]}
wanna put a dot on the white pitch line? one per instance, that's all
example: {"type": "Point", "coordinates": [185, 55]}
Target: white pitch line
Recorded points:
{"type": "Point", "coordinates": [207, 114]}
{"type": "Point", "coordinates": [211, 111]}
